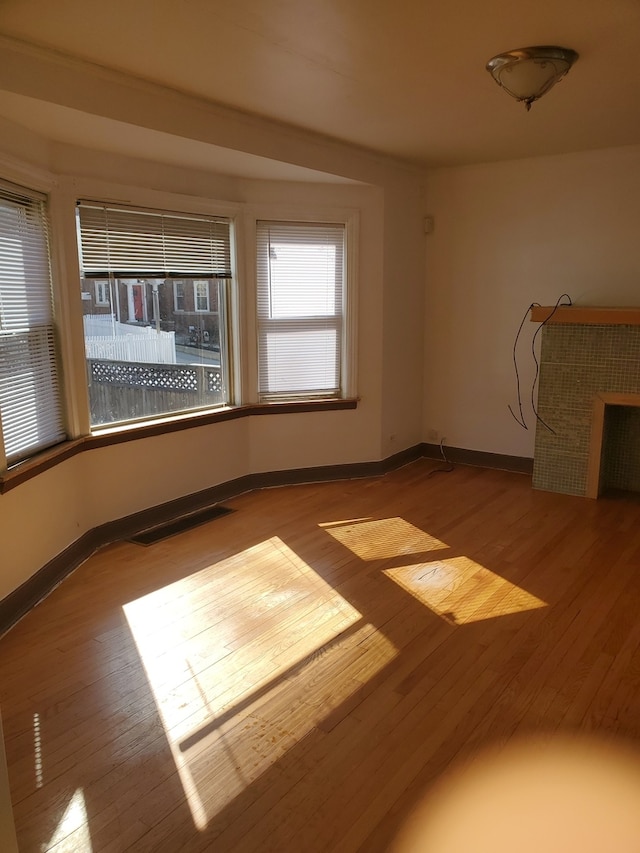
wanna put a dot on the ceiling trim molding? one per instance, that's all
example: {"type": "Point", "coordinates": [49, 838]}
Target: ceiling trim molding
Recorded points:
{"type": "Point", "coordinates": [37, 72]}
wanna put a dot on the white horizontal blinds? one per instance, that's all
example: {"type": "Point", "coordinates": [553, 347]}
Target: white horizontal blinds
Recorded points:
{"type": "Point", "coordinates": [30, 407]}
{"type": "Point", "coordinates": [130, 243]}
{"type": "Point", "coordinates": [300, 309]}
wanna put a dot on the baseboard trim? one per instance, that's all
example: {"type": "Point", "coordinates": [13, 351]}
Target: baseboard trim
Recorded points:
{"type": "Point", "coordinates": [480, 459]}
{"type": "Point", "coordinates": [19, 602]}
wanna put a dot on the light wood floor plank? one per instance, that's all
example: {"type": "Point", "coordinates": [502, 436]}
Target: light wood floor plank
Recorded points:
{"type": "Point", "coordinates": [296, 674]}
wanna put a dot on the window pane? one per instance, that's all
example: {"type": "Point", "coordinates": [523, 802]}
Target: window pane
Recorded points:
{"type": "Point", "coordinates": [144, 359]}
{"type": "Point", "coordinates": [30, 404]}
{"type": "Point", "coordinates": [300, 309]}
{"type": "Point", "coordinates": [300, 360]}
{"type": "Point", "coordinates": [302, 280]}
{"type": "Point", "coordinates": [158, 346]}
{"type": "Point", "coordinates": [178, 295]}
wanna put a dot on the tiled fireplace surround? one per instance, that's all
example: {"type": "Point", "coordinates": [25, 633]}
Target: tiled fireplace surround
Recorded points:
{"type": "Point", "coordinates": [589, 394]}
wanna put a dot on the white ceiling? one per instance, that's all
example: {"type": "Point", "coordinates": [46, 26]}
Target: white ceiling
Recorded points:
{"type": "Point", "coordinates": [402, 78]}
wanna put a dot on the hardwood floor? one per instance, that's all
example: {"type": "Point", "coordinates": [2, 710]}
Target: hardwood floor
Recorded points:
{"type": "Point", "coordinates": [294, 675]}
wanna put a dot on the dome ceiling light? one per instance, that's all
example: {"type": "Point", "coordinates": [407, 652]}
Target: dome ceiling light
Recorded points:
{"type": "Point", "coordinates": [528, 72]}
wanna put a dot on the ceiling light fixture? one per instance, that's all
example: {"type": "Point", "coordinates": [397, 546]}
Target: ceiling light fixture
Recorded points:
{"type": "Point", "coordinates": [528, 72]}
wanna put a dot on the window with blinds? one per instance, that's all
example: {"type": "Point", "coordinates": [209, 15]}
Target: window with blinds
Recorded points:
{"type": "Point", "coordinates": [134, 243]}
{"type": "Point", "coordinates": [155, 339]}
{"type": "Point", "coordinates": [30, 405]}
{"type": "Point", "coordinates": [300, 309]}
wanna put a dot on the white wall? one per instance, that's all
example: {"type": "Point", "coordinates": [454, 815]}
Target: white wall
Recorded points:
{"type": "Point", "coordinates": [506, 235]}
{"type": "Point", "coordinates": [39, 519]}
{"type": "Point", "coordinates": [403, 312]}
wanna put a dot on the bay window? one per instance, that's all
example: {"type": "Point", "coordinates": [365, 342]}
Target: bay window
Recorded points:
{"type": "Point", "coordinates": [156, 300]}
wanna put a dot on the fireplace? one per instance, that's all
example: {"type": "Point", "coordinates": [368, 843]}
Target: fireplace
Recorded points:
{"type": "Point", "coordinates": [589, 394]}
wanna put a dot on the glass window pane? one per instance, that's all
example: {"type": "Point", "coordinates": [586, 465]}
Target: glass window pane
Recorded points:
{"type": "Point", "coordinates": [302, 280]}
{"type": "Point", "coordinates": [31, 416]}
{"type": "Point", "coordinates": [154, 293]}
{"type": "Point", "coordinates": [300, 302]}
{"type": "Point", "coordinates": [150, 351]}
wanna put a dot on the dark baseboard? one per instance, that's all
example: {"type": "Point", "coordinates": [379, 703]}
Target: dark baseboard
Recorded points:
{"type": "Point", "coordinates": [480, 458]}
{"type": "Point", "coordinates": [19, 602]}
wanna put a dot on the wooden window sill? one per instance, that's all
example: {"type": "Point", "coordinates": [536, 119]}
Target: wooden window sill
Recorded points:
{"type": "Point", "coordinates": [23, 471]}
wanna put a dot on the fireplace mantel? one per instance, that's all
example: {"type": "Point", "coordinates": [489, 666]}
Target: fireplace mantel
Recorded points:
{"type": "Point", "coordinates": [587, 315]}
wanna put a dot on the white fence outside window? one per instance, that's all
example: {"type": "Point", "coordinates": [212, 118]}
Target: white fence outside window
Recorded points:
{"type": "Point", "coordinates": [106, 339]}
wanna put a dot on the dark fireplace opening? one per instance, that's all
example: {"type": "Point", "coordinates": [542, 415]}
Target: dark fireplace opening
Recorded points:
{"type": "Point", "coordinates": [620, 454]}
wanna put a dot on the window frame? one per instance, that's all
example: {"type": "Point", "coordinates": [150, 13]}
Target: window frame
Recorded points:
{"type": "Point", "coordinates": [350, 219]}
{"type": "Point", "coordinates": [102, 286]}
{"type": "Point", "coordinates": [35, 187]}
{"type": "Point", "coordinates": [196, 283]}
{"type": "Point", "coordinates": [178, 293]}
{"type": "Point", "coordinates": [156, 202]}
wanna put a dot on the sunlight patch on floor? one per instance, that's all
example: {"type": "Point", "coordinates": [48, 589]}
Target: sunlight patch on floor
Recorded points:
{"type": "Point", "coordinates": [37, 750]}
{"type": "Point", "coordinates": [224, 761]}
{"type": "Point", "coordinates": [381, 539]}
{"type": "Point", "coordinates": [463, 591]}
{"type": "Point", "coordinates": [223, 649]}
{"type": "Point", "coordinates": [72, 833]}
